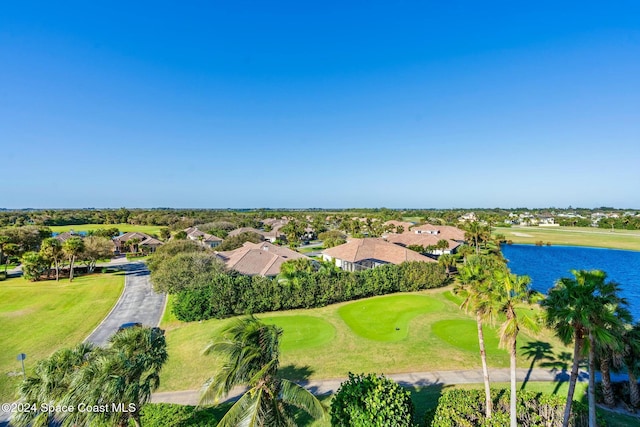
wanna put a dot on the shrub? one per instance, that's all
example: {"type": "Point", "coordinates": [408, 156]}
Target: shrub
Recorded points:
{"type": "Point", "coordinates": [369, 400]}
{"type": "Point", "coordinates": [189, 269]}
{"type": "Point", "coordinates": [222, 295]}
{"type": "Point", "coordinates": [466, 408]}
{"type": "Point", "coordinates": [166, 414]}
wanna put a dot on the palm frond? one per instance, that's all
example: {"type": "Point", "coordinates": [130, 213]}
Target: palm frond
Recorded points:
{"type": "Point", "coordinates": [293, 394]}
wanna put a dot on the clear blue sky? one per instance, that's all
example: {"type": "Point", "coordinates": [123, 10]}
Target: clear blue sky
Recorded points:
{"type": "Point", "coordinates": [320, 104]}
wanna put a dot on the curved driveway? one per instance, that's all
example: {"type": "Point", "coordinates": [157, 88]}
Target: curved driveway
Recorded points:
{"type": "Point", "coordinates": [138, 303]}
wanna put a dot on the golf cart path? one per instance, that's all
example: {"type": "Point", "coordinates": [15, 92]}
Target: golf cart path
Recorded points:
{"type": "Point", "coordinates": [138, 303]}
{"type": "Point", "coordinates": [416, 379]}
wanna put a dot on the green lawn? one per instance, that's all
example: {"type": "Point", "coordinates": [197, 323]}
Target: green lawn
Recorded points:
{"type": "Point", "coordinates": [369, 344]}
{"type": "Point", "coordinates": [38, 318]}
{"type": "Point", "coordinates": [372, 318]}
{"type": "Point", "coordinates": [302, 332]}
{"type": "Point", "coordinates": [573, 236]}
{"type": "Point", "coordinates": [149, 229]}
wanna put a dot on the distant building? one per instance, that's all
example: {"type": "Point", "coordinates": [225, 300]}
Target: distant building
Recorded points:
{"type": "Point", "coordinates": [258, 259]}
{"type": "Point", "coordinates": [205, 239]}
{"type": "Point", "coordinates": [362, 254]}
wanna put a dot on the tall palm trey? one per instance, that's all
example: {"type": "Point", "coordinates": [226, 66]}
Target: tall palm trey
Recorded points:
{"type": "Point", "coordinates": [583, 310]}
{"type": "Point", "coordinates": [251, 352]}
{"type": "Point", "coordinates": [511, 291]}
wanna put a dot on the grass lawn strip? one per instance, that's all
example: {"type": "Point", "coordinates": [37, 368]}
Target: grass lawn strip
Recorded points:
{"type": "Point", "coordinates": [38, 318]}
{"type": "Point", "coordinates": [573, 236]}
{"type": "Point", "coordinates": [124, 228]}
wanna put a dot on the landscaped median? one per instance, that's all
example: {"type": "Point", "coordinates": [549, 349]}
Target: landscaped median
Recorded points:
{"type": "Point", "coordinates": [38, 318]}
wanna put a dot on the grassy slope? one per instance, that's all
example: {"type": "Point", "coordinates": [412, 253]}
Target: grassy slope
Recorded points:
{"type": "Point", "coordinates": [420, 350]}
{"type": "Point", "coordinates": [149, 229]}
{"type": "Point", "coordinates": [573, 236]}
{"type": "Point", "coordinates": [38, 318]}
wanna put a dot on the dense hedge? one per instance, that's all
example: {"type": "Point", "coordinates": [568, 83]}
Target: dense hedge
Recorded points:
{"type": "Point", "coordinates": [166, 414]}
{"type": "Point", "coordinates": [371, 401]}
{"type": "Point", "coordinates": [232, 294]}
{"type": "Point", "coordinates": [465, 408]}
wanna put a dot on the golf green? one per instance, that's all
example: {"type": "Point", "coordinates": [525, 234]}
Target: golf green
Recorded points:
{"type": "Point", "coordinates": [386, 318]}
{"type": "Point", "coordinates": [300, 332]}
{"type": "Point", "coordinates": [463, 334]}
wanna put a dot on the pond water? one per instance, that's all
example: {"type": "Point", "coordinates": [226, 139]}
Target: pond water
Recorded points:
{"type": "Point", "coordinates": [546, 264]}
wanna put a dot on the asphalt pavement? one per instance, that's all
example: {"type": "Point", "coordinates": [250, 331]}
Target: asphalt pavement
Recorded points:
{"type": "Point", "coordinates": [138, 303]}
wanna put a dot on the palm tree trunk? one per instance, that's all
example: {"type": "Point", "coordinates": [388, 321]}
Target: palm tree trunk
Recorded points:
{"type": "Point", "coordinates": [71, 259]}
{"type": "Point", "coordinates": [634, 392]}
{"type": "Point", "coordinates": [512, 402]}
{"type": "Point", "coordinates": [57, 264]}
{"type": "Point", "coordinates": [577, 347]}
{"type": "Point", "coordinates": [485, 369]}
{"type": "Point", "coordinates": [592, 381]}
{"type": "Point", "coordinates": [607, 390]}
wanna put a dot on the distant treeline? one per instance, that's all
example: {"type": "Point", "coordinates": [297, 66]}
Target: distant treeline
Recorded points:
{"type": "Point", "coordinates": [182, 218]}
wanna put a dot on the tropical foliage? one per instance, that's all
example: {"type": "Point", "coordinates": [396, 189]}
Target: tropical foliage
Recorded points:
{"type": "Point", "coordinates": [251, 353]}
{"type": "Point", "coordinates": [228, 294]}
{"type": "Point", "coordinates": [371, 401]}
{"type": "Point", "coordinates": [119, 378]}
{"type": "Point", "coordinates": [585, 310]}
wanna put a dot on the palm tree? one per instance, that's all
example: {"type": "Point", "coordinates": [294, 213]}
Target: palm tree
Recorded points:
{"type": "Point", "coordinates": [126, 373]}
{"type": "Point", "coordinates": [477, 233]}
{"type": "Point", "coordinates": [251, 350]}
{"type": "Point", "coordinates": [51, 249]}
{"type": "Point", "coordinates": [477, 290]}
{"type": "Point", "coordinates": [447, 261]}
{"type": "Point", "coordinates": [72, 247]}
{"type": "Point", "coordinates": [48, 384]}
{"type": "Point", "coordinates": [631, 357]}
{"type": "Point", "coordinates": [583, 308]}
{"type": "Point", "coordinates": [610, 353]}
{"type": "Point", "coordinates": [10, 249]}
{"type": "Point", "coordinates": [510, 291]}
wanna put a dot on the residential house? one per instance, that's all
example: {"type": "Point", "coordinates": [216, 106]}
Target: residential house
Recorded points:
{"type": "Point", "coordinates": [362, 254]}
{"type": "Point", "coordinates": [145, 243]}
{"type": "Point", "coordinates": [205, 239]}
{"type": "Point", "coordinates": [270, 236]}
{"type": "Point", "coordinates": [258, 259]}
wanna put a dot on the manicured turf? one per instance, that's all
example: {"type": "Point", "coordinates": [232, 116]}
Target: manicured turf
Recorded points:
{"type": "Point", "coordinates": [38, 318]}
{"type": "Point", "coordinates": [573, 236]}
{"type": "Point", "coordinates": [463, 334]}
{"type": "Point", "coordinates": [124, 228]}
{"type": "Point", "coordinates": [348, 351]}
{"type": "Point", "coordinates": [386, 318]}
{"type": "Point", "coordinates": [302, 332]}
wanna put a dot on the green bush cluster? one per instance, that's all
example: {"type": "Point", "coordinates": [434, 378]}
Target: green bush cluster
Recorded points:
{"type": "Point", "coordinates": [230, 294]}
{"type": "Point", "coordinates": [465, 408]}
{"type": "Point", "coordinates": [371, 401]}
{"type": "Point", "coordinates": [166, 414]}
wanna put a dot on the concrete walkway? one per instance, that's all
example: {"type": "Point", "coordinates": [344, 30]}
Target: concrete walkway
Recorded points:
{"type": "Point", "coordinates": [416, 379]}
{"type": "Point", "coordinates": [138, 303]}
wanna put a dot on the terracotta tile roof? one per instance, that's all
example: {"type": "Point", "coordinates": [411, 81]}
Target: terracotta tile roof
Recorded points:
{"type": "Point", "coordinates": [195, 234]}
{"type": "Point", "coordinates": [258, 259]}
{"type": "Point", "coordinates": [66, 235]}
{"type": "Point", "coordinates": [132, 235]}
{"type": "Point", "coordinates": [445, 231]}
{"type": "Point", "coordinates": [425, 239]}
{"type": "Point", "coordinates": [274, 234]}
{"type": "Point", "coordinates": [357, 250]}
{"type": "Point", "coordinates": [150, 241]}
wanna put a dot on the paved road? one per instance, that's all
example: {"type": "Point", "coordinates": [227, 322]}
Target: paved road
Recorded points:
{"type": "Point", "coordinates": [138, 303]}
{"type": "Point", "coordinates": [416, 379]}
